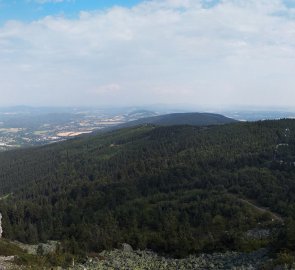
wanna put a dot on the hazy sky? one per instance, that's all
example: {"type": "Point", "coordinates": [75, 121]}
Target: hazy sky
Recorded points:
{"type": "Point", "coordinates": [111, 52]}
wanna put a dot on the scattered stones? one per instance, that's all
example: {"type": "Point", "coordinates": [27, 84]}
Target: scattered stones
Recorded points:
{"type": "Point", "coordinates": [146, 260]}
{"type": "Point", "coordinates": [258, 234]}
{"type": "Point", "coordinates": [7, 263]}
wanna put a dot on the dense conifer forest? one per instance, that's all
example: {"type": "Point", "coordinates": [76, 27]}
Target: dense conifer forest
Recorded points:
{"type": "Point", "coordinates": [176, 190]}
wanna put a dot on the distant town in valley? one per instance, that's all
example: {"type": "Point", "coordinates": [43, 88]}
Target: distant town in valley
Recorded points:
{"type": "Point", "coordinates": [24, 126]}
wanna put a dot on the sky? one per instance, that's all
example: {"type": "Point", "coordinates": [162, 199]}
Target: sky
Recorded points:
{"type": "Point", "coordinates": [215, 53]}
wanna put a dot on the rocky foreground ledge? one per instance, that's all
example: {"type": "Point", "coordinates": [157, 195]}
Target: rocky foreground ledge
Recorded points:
{"type": "Point", "coordinates": [146, 260]}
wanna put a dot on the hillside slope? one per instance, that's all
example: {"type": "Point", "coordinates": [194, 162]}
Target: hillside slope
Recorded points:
{"type": "Point", "coordinates": [171, 189]}
{"type": "Point", "coordinates": [193, 119]}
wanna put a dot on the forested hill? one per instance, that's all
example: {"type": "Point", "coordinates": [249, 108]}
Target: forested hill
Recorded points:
{"type": "Point", "coordinates": [193, 119]}
{"type": "Point", "coordinates": [173, 189]}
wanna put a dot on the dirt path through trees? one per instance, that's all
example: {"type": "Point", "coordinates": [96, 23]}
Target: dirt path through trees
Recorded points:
{"type": "Point", "coordinates": [262, 209]}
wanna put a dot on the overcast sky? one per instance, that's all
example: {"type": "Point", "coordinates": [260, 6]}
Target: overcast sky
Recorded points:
{"type": "Point", "coordinates": [202, 52]}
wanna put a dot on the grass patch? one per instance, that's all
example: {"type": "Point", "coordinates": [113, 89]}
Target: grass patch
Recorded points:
{"type": "Point", "coordinates": [9, 249]}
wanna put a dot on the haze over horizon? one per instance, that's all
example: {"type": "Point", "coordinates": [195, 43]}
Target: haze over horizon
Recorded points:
{"type": "Point", "coordinates": [200, 52]}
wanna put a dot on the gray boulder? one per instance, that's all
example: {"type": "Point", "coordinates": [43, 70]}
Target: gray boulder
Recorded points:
{"type": "Point", "coordinates": [126, 247]}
